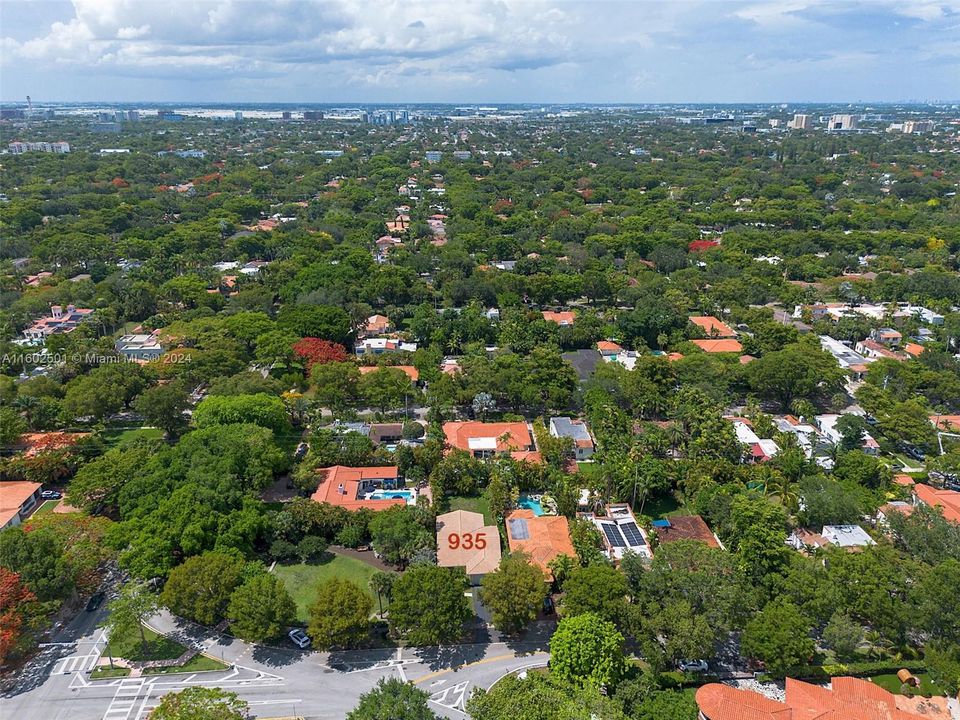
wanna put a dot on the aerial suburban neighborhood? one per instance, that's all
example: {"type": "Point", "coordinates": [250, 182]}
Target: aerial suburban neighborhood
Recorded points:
{"type": "Point", "coordinates": [397, 410]}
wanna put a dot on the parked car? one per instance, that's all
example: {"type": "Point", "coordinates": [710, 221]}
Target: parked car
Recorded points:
{"type": "Point", "coordinates": [548, 605]}
{"type": "Point", "coordinates": [301, 451]}
{"type": "Point", "coordinates": [50, 495]}
{"type": "Point", "coordinates": [693, 666]}
{"type": "Point", "coordinates": [915, 452]}
{"type": "Point", "coordinates": [299, 638]}
{"type": "Point", "coordinates": [94, 602]}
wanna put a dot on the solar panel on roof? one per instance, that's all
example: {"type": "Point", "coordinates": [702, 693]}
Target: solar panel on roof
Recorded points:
{"type": "Point", "coordinates": [613, 535]}
{"type": "Point", "coordinates": [632, 533]}
{"type": "Point", "coordinates": [519, 529]}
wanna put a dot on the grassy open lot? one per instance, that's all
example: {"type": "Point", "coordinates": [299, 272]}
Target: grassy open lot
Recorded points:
{"type": "Point", "coordinates": [129, 647]}
{"type": "Point", "coordinates": [124, 437]}
{"type": "Point", "coordinates": [661, 506]}
{"type": "Point", "coordinates": [892, 683]}
{"type": "Point", "coordinates": [478, 503]}
{"type": "Point", "coordinates": [301, 579]}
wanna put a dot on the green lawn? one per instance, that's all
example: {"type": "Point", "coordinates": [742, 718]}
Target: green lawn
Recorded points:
{"type": "Point", "coordinates": [478, 503]}
{"type": "Point", "coordinates": [46, 507]}
{"type": "Point", "coordinates": [129, 647]}
{"type": "Point", "coordinates": [661, 506]}
{"type": "Point", "coordinates": [198, 663]}
{"type": "Point", "coordinates": [123, 438]}
{"type": "Point", "coordinates": [301, 579]}
{"type": "Point", "coordinates": [892, 683]}
{"type": "Point", "coordinates": [105, 671]}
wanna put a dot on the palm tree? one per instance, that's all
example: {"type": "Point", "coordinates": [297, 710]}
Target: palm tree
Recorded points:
{"type": "Point", "coordinates": [382, 584]}
{"type": "Point", "coordinates": [777, 485]}
{"type": "Point", "coordinates": [26, 404]}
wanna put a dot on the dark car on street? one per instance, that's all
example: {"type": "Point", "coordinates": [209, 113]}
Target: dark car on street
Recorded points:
{"type": "Point", "coordinates": [95, 601]}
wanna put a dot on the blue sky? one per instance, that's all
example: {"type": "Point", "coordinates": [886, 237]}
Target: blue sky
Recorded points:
{"type": "Point", "coordinates": [479, 50]}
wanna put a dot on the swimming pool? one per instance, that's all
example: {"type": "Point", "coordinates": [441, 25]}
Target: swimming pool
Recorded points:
{"type": "Point", "coordinates": [410, 496]}
{"type": "Point", "coordinates": [528, 503]}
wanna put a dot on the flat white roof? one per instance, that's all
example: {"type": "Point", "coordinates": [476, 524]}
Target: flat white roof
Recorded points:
{"type": "Point", "coordinates": [482, 443]}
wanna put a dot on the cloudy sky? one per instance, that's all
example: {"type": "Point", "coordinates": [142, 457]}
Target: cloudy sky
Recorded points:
{"type": "Point", "coordinates": [346, 51]}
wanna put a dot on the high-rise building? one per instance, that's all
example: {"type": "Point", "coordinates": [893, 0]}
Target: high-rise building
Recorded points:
{"type": "Point", "coordinates": [801, 122]}
{"type": "Point", "coordinates": [285, 115]}
{"type": "Point", "coordinates": [917, 126]}
{"type": "Point", "coordinates": [842, 122]}
{"type": "Point", "coordinates": [237, 115]}
{"type": "Point", "coordinates": [312, 115]}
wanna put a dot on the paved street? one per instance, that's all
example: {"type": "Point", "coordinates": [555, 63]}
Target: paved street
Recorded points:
{"type": "Point", "coordinates": [275, 681]}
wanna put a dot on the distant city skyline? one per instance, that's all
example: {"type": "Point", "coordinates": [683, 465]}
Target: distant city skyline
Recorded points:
{"type": "Point", "coordinates": [484, 51]}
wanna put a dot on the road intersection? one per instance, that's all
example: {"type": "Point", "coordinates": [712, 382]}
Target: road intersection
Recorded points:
{"type": "Point", "coordinates": [275, 681]}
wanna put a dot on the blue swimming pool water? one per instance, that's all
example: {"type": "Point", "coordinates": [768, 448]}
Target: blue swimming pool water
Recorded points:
{"type": "Point", "coordinates": [407, 495]}
{"type": "Point", "coordinates": [528, 503]}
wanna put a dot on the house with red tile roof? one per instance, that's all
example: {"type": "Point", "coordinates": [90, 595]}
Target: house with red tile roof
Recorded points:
{"type": "Point", "coordinates": [913, 349]}
{"type": "Point", "coordinates": [377, 325]}
{"type": "Point", "coordinates": [17, 499]}
{"type": "Point", "coordinates": [409, 370]}
{"type": "Point", "coordinates": [946, 423]}
{"type": "Point", "coordinates": [542, 537]}
{"type": "Point", "coordinates": [61, 320]}
{"type": "Point", "coordinates": [563, 318]}
{"type": "Point", "coordinates": [608, 348]}
{"type": "Point", "coordinates": [484, 440]}
{"type": "Point", "coordinates": [356, 488]}
{"type": "Point", "coordinates": [712, 327]}
{"type": "Point", "coordinates": [946, 500]}
{"type": "Point", "coordinates": [847, 698]}
{"type": "Point", "coordinates": [719, 345]}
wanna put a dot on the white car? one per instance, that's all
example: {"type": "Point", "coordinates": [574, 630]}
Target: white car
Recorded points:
{"type": "Point", "coordinates": [299, 638]}
{"type": "Point", "coordinates": [693, 666]}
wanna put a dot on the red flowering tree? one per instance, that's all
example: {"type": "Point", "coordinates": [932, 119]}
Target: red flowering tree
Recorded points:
{"type": "Point", "coordinates": [14, 596]}
{"type": "Point", "coordinates": [314, 351]}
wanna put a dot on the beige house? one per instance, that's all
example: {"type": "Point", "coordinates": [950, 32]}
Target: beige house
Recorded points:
{"type": "Point", "coordinates": [463, 540]}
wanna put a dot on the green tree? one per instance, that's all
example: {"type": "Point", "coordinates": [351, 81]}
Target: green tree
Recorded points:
{"type": "Point", "coordinates": [382, 584]}
{"type": "Point", "coordinates": [779, 636]}
{"type": "Point", "coordinates": [340, 614]}
{"type": "Point", "coordinates": [798, 371]}
{"type": "Point", "coordinates": [514, 592]}
{"type": "Point", "coordinates": [385, 388]}
{"type": "Point", "coordinates": [393, 699]}
{"type": "Point", "coordinates": [12, 426]}
{"type": "Point", "coordinates": [396, 533]}
{"type": "Point", "coordinates": [263, 410]}
{"type": "Point", "coordinates": [935, 598]}
{"type": "Point", "coordinates": [200, 703]}
{"type": "Point", "coordinates": [201, 587]}
{"type": "Point", "coordinates": [428, 606]}
{"type": "Point", "coordinates": [261, 608]}
{"type": "Point", "coordinates": [587, 649]}
{"type": "Point", "coordinates": [843, 635]}
{"type": "Point", "coordinates": [336, 385]}
{"type": "Point", "coordinates": [541, 697]}
{"type": "Point", "coordinates": [598, 589]}
{"type": "Point", "coordinates": [40, 561]}
{"type": "Point", "coordinates": [317, 321]}
{"type": "Point", "coordinates": [164, 406]}
{"type": "Point", "coordinates": [666, 705]}
{"type": "Point", "coordinates": [129, 611]}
